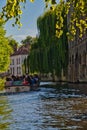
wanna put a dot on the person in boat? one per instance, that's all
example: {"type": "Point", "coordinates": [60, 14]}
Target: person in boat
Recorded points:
{"type": "Point", "coordinates": [9, 81]}
{"type": "Point", "coordinates": [36, 78]}
{"type": "Point", "coordinates": [30, 79]}
{"type": "Point", "coordinates": [13, 78]}
{"type": "Point", "coordinates": [35, 82]}
{"type": "Point", "coordinates": [25, 82]}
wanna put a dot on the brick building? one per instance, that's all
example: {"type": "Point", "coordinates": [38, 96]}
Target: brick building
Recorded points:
{"type": "Point", "coordinates": [77, 67]}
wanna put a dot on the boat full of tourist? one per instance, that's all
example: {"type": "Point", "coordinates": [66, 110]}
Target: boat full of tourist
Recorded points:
{"type": "Point", "coordinates": [25, 83]}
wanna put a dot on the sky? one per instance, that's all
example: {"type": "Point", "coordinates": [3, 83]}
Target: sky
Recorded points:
{"type": "Point", "coordinates": [29, 20]}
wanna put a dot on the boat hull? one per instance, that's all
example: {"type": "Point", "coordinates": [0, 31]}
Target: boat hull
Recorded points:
{"type": "Point", "coordinates": [16, 89]}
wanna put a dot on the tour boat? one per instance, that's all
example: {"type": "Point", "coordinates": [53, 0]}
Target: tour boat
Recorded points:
{"type": "Point", "coordinates": [20, 88]}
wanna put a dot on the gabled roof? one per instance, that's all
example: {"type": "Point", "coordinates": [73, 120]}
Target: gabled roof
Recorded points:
{"type": "Point", "coordinates": [21, 51]}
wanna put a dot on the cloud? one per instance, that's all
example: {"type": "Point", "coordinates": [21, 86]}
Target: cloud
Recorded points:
{"type": "Point", "coordinates": [24, 33]}
{"type": "Point", "coordinates": [20, 36]}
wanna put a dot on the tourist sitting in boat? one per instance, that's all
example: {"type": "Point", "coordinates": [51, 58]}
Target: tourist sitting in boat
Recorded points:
{"type": "Point", "coordinates": [34, 82]}
{"type": "Point", "coordinates": [9, 81]}
{"type": "Point", "coordinates": [25, 81]}
{"type": "Point", "coordinates": [30, 80]}
{"type": "Point", "coordinates": [36, 78]}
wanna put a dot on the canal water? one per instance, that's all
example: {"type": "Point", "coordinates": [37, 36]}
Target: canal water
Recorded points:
{"type": "Point", "coordinates": [52, 107]}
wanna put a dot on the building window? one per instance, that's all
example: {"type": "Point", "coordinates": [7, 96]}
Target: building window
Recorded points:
{"type": "Point", "coordinates": [72, 59]}
{"type": "Point", "coordinates": [17, 61]}
{"type": "Point", "coordinates": [13, 71]}
{"type": "Point", "coordinates": [17, 70]}
{"type": "Point", "coordinates": [86, 46]}
{"type": "Point", "coordinates": [79, 59]}
{"type": "Point", "coordinates": [12, 61]}
{"type": "Point", "coordinates": [84, 58]}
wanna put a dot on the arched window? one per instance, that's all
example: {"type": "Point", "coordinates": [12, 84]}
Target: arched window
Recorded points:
{"type": "Point", "coordinates": [80, 59]}
{"type": "Point", "coordinates": [84, 58]}
{"type": "Point", "coordinates": [72, 59]}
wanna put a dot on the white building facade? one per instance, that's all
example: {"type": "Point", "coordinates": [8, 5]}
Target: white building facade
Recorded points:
{"type": "Point", "coordinates": [16, 64]}
{"type": "Point", "coordinates": [17, 60]}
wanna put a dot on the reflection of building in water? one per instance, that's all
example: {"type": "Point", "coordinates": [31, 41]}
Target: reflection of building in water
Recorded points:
{"type": "Point", "coordinates": [77, 68]}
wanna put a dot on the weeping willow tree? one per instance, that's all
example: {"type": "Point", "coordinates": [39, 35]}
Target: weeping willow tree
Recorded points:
{"type": "Point", "coordinates": [35, 57]}
{"type": "Point", "coordinates": [50, 54]}
{"type": "Point", "coordinates": [78, 17]}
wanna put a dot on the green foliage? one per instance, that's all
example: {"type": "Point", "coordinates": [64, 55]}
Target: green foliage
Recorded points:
{"type": "Point", "coordinates": [25, 65]}
{"type": "Point", "coordinates": [28, 68]}
{"type": "Point", "coordinates": [2, 83]}
{"type": "Point", "coordinates": [13, 43]}
{"type": "Point", "coordinates": [28, 40]}
{"type": "Point", "coordinates": [76, 8]}
{"type": "Point", "coordinates": [49, 53]}
{"type": "Point", "coordinates": [12, 10]}
{"type": "Point", "coordinates": [78, 18]}
{"type": "Point", "coordinates": [5, 51]}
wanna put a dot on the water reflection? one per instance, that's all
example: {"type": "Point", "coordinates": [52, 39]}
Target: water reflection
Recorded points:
{"type": "Point", "coordinates": [51, 108]}
{"type": "Point", "coordinates": [5, 114]}
{"type": "Point", "coordinates": [63, 113]}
